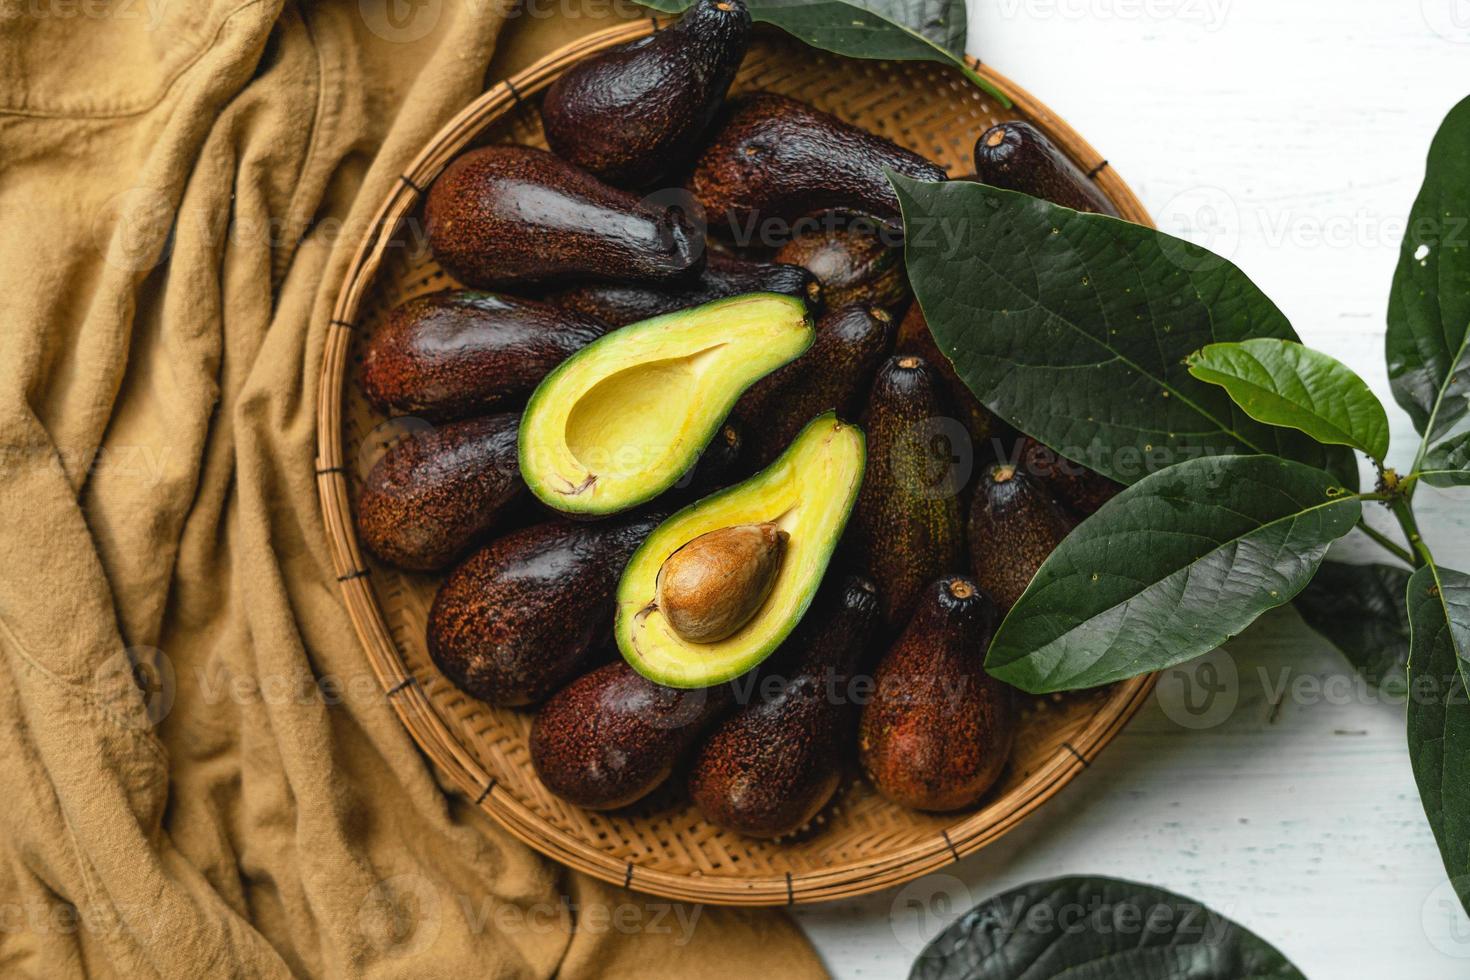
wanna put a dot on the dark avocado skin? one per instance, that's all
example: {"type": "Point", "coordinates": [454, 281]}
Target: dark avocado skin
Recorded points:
{"type": "Point", "coordinates": [986, 430]}
{"type": "Point", "coordinates": [908, 525]}
{"type": "Point", "coordinates": [1079, 489]}
{"type": "Point", "coordinates": [504, 216]}
{"type": "Point", "coordinates": [636, 112]}
{"type": "Point", "coordinates": [1014, 525]}
{"type": "Point", "coordinates": [770, 767]}
{"type": "Point", "coordinates": [833, 374]}
{"type": "Point", "coordinates": [718, 466]}
{"type": "Point", "coordinates": [854, 267]}
{"type": "Point", "coordinates": [620, 304]}
{"type": "Point", "coordinates": [611, 737]}
{"type": "Point", "coordinates": [938, 729]}
{"type": "Point", "coordinates": [777, 158]}
{"type": "Point", "coordinates": [458, 352]}
{"type": "Point", "coordinates": [518, 617]}
{"type": "Point", "coordinates": [1024, 160]}
{"type": "Point", "coordinates": [438, 491]}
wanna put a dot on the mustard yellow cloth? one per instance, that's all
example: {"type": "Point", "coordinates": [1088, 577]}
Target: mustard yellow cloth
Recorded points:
{"type": "Point", "coordinates": [181, 184]}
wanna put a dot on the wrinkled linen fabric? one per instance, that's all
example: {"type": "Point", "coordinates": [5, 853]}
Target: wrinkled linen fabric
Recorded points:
{"type": "Point", "coordinates": [199, 776]}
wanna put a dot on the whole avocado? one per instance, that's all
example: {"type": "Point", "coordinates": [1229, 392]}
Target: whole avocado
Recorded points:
{"type": "Point", "coordinates": [635, 113]}
{"type": "Point", "coordinates": [1017, 156]}
{"type": "Point", "coordinates": [777, 159]}
{"type": "Point", "coordinates": [611, 737]}
{"type": "Point", "coordinates": [907, 527]}
{"type": "Point", "coordinates": [938, 729]}
{"type": "Point", "coordinates": [506, 215]}
{"type": "Point", "coordinates": [518, 617]}
{"type": "Point", "coordinates": [436, 492]}
{"type": "Point", "coordinates": [832, 375]}
{"type": "Point", "coordinates": [773, 764]}
{"type": "Point", "coordinates": [458, 352]}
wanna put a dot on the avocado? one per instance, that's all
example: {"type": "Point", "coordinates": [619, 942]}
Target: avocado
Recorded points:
{"type": "Point", "coordinates": [518, 617]}
{"type": "Point", "coordinates": [436, 492]}
{"type": "Point", "coordinates": [987, 432]}
{"type": "Point", "coordinates": [634, 113]}
{"type": "Point", "coordinates": [938, 729]}
{"type": "Point", "coordinates": [853, 265]}
{"type": "Point", "coordinates": [611, 737]}
{"type": "Point", "coordinates": [771, 766]}
{"type": "Point", "coordinates": [623, 419]}
{"type": "Point", "coordinates": [1016, 156]}
{"type": "Point", "coordinates": [1014, 525]}
{"type": "Point", "coordinates": [456, 352]}
{"type": "Point", "coordinates": [775, 159]}
{"type": "Point", "coordinates": [507, 215]}
{"type": "Point", "coordinates": [908, 526]}
{"type": "Point", "coordinates": [807, 493]}
{"type": "Point", "coordinates": [1081, 490]}
{"type": "Point", "coordinates": [718, 466]}
{"type": "Point", "coordinates": [833, 375]}
{"type": "Point", "coordinates": [622, 303]}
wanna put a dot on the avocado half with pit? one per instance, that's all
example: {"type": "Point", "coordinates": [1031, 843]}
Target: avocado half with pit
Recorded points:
{"type": "Point", "coordinates": [620, 421]}
{"type": "Point", "coordinates": [807, 492]}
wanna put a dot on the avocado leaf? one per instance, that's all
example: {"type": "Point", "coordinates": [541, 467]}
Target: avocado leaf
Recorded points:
{"type": "Point", "coordinates": [1360, 610]}
{"type": "Point", "coordinates": [1075, 328]}
{"type": "Point", "coordinates": [1169, 569]}
{"type": "Point", "coordinates": [898, 30]}
{"type": "Point", "coordinates": [1448, 464]}
{"type": "Point", "coordinates": [1280, 382]}
{"type": "Point", "coordinates": [1094, 928]}
{"type": "Point", "coordinates": [1428, 341]}
{"type": "Point", "coordinates": [1439, 714]}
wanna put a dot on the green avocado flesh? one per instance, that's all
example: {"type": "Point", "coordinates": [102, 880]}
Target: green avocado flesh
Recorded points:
{"type": "Point", "coordinates": [621, 420]}
{"type": "Point", "coordinates": [808, 492]}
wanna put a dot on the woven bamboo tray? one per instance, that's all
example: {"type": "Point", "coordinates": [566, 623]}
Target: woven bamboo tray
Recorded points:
{"type": "Point", "coordinates": [662, 846]}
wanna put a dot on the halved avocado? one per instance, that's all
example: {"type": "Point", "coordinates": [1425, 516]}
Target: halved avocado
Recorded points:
{"type": "Point", "coordinates": [621, 420]}
{"type": "Point", "coordinates": [808, 492]}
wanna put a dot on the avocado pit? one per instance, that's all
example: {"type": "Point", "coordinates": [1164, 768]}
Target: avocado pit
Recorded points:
{"type": "Point", "coordinates": [711, 587]}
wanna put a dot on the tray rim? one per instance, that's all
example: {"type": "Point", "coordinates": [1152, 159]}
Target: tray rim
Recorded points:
{"type": "Point", "coordinates": [415, 711]}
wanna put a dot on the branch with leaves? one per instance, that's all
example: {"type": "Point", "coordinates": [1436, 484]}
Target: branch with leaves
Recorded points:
{"type": "Point", "coordinates": [1162, 366]}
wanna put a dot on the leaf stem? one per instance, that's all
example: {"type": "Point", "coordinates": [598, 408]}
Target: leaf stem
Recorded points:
{"type": "Point", "coordinates": [1403, 509]}
{"type": "Point", "coordinates": [1387, 543]}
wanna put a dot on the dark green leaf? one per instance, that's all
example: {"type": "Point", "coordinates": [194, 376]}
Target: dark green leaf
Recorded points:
{"type": "Point", "coordinates": [1360, 610]}
{"type": "Point", "coordinates": [1428, 342]}
{"type": "Point", "coordinates": [899, 30]}
{"type": "Point", "coordinates": [1075, 328]}
{"type": "Point", "coordinates": [1096, 928]}
{"type": "Point", "coordinates": [1448, 464]}
{"type": "Point", "coordinates": [1280, 382]}
{"type": "Point", "coordinates": [1439, 714]}
{"type": "Point", "coordinates": [1169, 569]}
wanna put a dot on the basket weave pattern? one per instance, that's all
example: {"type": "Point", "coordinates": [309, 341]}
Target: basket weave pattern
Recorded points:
{"type": "Point", "coordinates": [861, 843]}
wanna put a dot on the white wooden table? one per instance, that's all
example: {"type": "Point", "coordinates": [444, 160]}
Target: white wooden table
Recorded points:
{"type": "Point", "coordinates": [1289, 135]}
